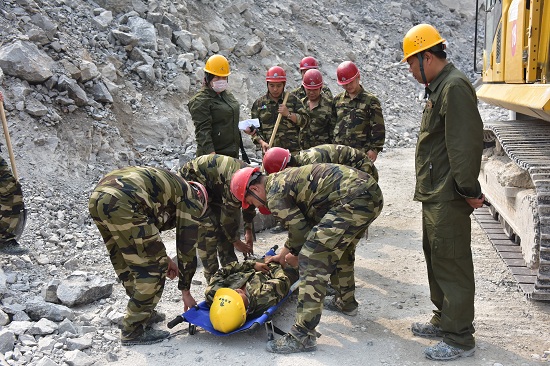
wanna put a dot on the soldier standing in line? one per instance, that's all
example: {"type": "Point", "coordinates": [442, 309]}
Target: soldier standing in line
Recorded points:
{"type": "Point", "coordinates": [327, 208]}
{"type": "Point", "coordinates": [309, 63]}
{"type": "Point", "coordinates": [358, 114]}
{"type": "Point", "coordinates": [277, 159]}
{"type": "Point", "coordinates": [448, 160]}
{"type": "Point", "coordinates": [320, 127]}
{"type": "Point", "coordinates": [219, 236]}
{"type": "Point", "coordinates": [130, 207]}
{"type": "Point", "coordinates": [267, 107]}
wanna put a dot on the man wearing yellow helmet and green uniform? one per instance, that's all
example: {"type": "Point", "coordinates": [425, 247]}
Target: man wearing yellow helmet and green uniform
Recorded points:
{"type": "Point", "coordinates": [215, 112]}
{"type": "Point", "coordinates": [251, 288]}
{"type": "Point", "coordinates": [448, 159]}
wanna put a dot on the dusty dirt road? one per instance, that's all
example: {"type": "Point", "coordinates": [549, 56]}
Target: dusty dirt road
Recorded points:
{"type": "Point", "coordinates": [392, 291]}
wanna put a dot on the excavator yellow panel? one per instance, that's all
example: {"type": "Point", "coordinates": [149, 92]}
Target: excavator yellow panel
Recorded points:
{"type": "Point", "coordinates": [529, 99]}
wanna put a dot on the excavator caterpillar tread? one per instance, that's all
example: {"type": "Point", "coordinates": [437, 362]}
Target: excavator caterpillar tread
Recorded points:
{"type": "Point", "coordinates": [527, 143]}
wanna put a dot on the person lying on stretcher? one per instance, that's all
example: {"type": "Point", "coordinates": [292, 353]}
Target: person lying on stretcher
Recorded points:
{"type": "Point", "coordinates": [247, 289]}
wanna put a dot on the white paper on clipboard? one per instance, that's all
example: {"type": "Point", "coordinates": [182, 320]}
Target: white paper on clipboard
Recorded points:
{"type": "Point", "coordinates": [243, 125]}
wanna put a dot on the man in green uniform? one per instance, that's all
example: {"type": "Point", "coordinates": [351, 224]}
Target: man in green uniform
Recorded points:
{"type": "Point", "coordinates": [319, 105]}
{"type": "Point", "coordinates": [327, 208]}
{"type": "Point", "coordinates": [215, 112]}
{"type": "Point", "coordinates": [277, 159]}
{"type": "Point", "coordinates": [11, 204]}
{"type": "Point", "coordinates": [267, 108]}
{"type": "Point", "coordinates": [448, 159]}
{"type": "Point", "coordinates": [260, 284]}
{"type": "Point", "coordinates": [358, 114]}
{"type": "Point", "coordinates": [130, 207]}
{"type": "Point", "coordinates": [219, 236]}
{"type": "Point", "coordinates": [309, 63]}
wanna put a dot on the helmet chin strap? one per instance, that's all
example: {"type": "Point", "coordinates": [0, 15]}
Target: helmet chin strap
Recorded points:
{"type": "Point", "coordinates": [420, 57]}
{"type": "Point", "coordinates": [256, 197]}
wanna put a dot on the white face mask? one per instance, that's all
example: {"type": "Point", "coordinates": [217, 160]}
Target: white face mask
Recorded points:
{"type": "Point", "coordinates": [219, 85]}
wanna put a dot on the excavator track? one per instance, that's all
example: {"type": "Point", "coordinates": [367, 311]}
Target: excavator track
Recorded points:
{"type": "Point", "coordinates": [526, 250]}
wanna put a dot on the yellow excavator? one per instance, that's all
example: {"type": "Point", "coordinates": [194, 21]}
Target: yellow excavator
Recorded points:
{"type": "Point", "coordinates": [515, 174]}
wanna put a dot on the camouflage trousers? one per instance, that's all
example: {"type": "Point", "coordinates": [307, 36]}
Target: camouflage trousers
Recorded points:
{"type": "Point", "coordinates": [329, 253]}
{"type": "Point", "coordinates": [213, 243]}
{"type": "Point", "coordinates": [136, 252]}
{"type": "Point", "coordinates": [11, 202]}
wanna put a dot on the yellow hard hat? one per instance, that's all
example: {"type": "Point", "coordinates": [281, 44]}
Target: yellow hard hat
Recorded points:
{"type": "Point", "coordinates": [217, 65]}
{"type": "Point", "coordinates": [420, 38]}
{"type": "Point", "coordinates": [227, 311]}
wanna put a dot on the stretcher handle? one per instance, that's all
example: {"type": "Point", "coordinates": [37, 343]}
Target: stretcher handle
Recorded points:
{"type": "Point", "coordinates": [177, 320]}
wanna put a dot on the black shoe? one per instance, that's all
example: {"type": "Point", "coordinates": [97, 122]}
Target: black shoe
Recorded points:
{"type": "Point", "coordinates": [12, 247]}
{"type": "Point", "coordinates": [156, 317]}
{"type": "Point", "coordinates": [149, 336]}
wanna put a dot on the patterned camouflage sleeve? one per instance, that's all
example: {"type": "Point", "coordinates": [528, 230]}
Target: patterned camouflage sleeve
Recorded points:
{"type": "Point", "coordinates": [270, 292]}
{"type": "Point", "coordinates": [220, 278]}
{"type": "Point", "coordinates": [254, 113]}
{"type": "Point", "coordinates": [378, 131]}
{"type": "Point", "coordinates": [230, 222]}
{"type": "Point", "coordinates": [248, 218]}
{"type": "Point", "coordinates": [296, 106]}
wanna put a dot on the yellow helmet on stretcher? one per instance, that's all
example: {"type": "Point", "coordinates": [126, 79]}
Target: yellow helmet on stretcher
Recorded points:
{"type": "Point", "coordinates": [227, 311]}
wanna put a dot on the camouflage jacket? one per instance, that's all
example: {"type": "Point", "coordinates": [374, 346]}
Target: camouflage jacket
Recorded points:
{"type": "Point", "coordinates": [214, 172]}
{"type": "Point", "coordinates": [300, 92]}
{"type": "Point", "coordinates": [359, 121]}
{"type": "Point", "coordinates": [320, 127]}
{"type": "Point", "coordinates": [263, 289]}
{"type": "Point", "coordinates": [288, 132]}
{"type": "Point", "coordinates": [216, 119]}
{"type": "Point", "coordinates": [336, 154]}
{"type": "Point", "coordinates": [300, 197]}
{"type": "Point", "coordinates": [450, 141]}
{"type": "Point", "coordinates": [168, 200]}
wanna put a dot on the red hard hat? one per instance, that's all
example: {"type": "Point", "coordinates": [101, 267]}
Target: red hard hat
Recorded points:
{"type": "Point", "coordinates": [276, 159]}
{"type": "Point", "coordinates": [313, 79]}
{"type": "Point", "coordinates": [346, 72]}
{"type": "Point", "coordinates": [309, 62]}
{"type": "Point", "coordinates": [276, 74]}
{"type": "Point", "coordinates": [239, 183]}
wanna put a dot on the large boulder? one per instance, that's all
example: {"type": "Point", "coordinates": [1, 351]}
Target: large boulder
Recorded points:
{"type": "Point", "coordinates": [25, 61]}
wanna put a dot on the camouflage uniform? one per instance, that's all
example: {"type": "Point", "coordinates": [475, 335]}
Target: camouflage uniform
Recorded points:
{"type": "Point", "coordinates": [327, 208]}
{"type": "Point", "coordinates": [336, 154]}
{"type": "Point", "coordinates": [262, 289]}
{"type": "Point", "coordinates": [288, 132]}
{"type": "Point", "coordinates": [359, 121]}
{"type": "Point", "coordinates": [11, 202]}
{"type": "Point", "coordinates": [217, 235]}
{"type": "Point", "coordinates": [320, 127]}
{"type": "Point", "coordinates": [300, 92]}
{"type": "Point", "coordinates": [216, 118]}
{"type": "Point", "coordinates": [130, 207]}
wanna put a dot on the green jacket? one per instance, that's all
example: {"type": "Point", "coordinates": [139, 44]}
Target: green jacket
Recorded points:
{"type": "Point", "coordinates": [450, 141]}
{"type": "Point", "coordinates": [320, 127]}
{"type": "Point", "coordinates": [359, 121]}
{"type": "Point", "coordinates": [214, 172]}
{"type": "Point", "coordinates": [263, 289]}
{"type": "Point", "coordinates": [216, 119]}
{"type": "Point", "coordinates": [301, 197]}
{"type": "Point", "coordinates": [288, 132]}
{"type": "Point", "coordinates": [335, 154]}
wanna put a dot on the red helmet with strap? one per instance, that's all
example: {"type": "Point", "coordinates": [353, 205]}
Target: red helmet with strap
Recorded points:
{"type": "Point", "coordinates": [239, 183]}
{"type": "Point", "coordinates": [276, 74]}
{"type": "Point", "coordinates": [313, 79]}
{"type": "Point", "coordinates": [276, 159]}
{"type": "Point", "coordinates": [346, 72]}
{"type": "Point", "coordinates": [309, 62]}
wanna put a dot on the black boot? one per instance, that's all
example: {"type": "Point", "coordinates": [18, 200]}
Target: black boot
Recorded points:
{"type": "Point", "coordinates": [12, 247]}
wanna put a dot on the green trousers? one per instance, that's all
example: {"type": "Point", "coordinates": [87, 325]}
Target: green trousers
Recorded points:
{"type": "Point", "coordinates": [446, 239]}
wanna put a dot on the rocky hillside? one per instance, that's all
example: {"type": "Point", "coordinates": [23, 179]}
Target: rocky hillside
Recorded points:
{"type": "Point", "coordinates": [91, 86]}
